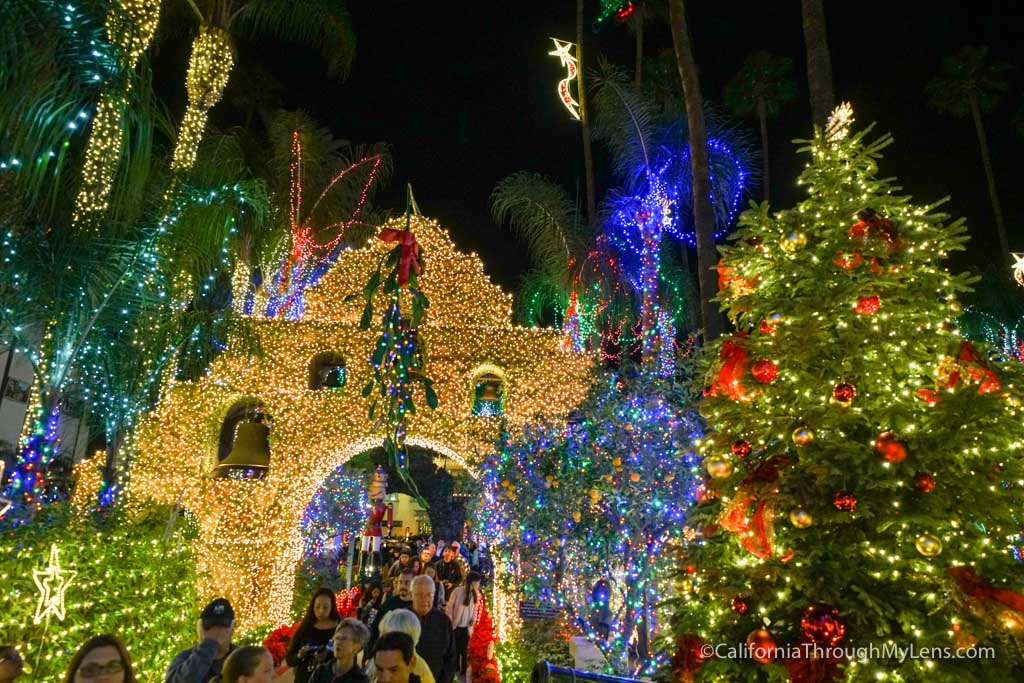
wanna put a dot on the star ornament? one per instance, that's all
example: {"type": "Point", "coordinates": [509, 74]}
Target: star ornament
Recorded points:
{"type": "Point", "coordinates": [1018, 268]}
{"type": "Point", "coordinates": [53, 583]}
{"type": "Point", "coordinates": [5, 504]}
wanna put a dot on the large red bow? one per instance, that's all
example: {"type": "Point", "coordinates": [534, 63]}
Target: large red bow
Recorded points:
{"type": "Point", "coordinates": [750, 515]}
{"type": "Point", "coordinates": [734, 366]}
{"type": "Point", "coordinates": [410, 252]}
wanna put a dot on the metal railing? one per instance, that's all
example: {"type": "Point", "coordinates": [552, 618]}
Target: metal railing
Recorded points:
{"type": "Point", "coordinates": [546, 672]}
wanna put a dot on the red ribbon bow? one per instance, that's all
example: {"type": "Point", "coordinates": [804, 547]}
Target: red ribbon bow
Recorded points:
{"type": "Point", "coordinates": [973, 586]}
{"type": "Point", "coordinates": [410, 252]}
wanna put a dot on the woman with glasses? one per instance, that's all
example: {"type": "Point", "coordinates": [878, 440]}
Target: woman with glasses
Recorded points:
{"type": "Point", "coordinates": [11, 665]}
{"type": "Point", "coordinates": [103, 659]}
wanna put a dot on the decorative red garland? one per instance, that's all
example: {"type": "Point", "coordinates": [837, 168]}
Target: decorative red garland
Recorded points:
{"type": "Point", "coordinates": [481, 660]}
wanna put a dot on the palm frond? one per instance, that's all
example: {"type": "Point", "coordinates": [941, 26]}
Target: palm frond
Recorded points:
{"type": "Point", "coordinates": [540, 214]}
{"type": "Point", "coordinates": [541, 299]}
{"type": "Point", "coordinates": [325, 25]}
{"type": "Point", "coordinates": [624, 119]}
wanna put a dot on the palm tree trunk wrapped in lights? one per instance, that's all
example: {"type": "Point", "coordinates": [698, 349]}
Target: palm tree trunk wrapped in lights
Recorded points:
{"type": "Point", "coordinates": [208, 72]}
{"type": "Point", "coordinates": [131, 25]}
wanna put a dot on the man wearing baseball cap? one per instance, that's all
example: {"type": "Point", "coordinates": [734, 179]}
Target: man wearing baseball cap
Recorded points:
{"type": "Point", "coordinates": [204, 661]}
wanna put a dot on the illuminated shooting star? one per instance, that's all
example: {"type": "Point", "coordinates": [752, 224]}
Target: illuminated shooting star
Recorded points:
{"type": "Point", "coordinates": [562, 51]}
{"type": "Point", "coordinates": [1018, 268]}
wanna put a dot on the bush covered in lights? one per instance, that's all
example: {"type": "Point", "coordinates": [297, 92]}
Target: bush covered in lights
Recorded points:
{"type": "Point", "coordinates": [132, 577]}
{"type": "Point", "coordinates": [865, 458]}
{"type": "Point", "coordinates": [586, 516]}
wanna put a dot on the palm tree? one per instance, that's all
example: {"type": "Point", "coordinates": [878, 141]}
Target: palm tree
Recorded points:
{"type": "Point", "coordinates": [970, 84]}
{"type": "Point", "coordinates": [819, 62]}
{"type": "Point", "coordinates": [131, 25]}
{"type": "Point", "coordinates": [764, 83]}
{"type": "Point", "coordinates": [324, 24]}
{"type": "Point", "coordinates": [703, 212]}
{"type": "Point", "coordinates": [588, 159]}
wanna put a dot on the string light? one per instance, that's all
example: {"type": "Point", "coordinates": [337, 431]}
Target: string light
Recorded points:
{"type": "Point", "coordinates": [249, 539]}
{"type": "Point", "coordinates": [209, 68]}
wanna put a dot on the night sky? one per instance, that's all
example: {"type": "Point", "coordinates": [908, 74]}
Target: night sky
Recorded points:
{"type": "Point", "coordinates": [465, 94]}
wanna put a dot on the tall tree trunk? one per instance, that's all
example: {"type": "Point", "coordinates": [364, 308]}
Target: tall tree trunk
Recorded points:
{"type": "Point", "coordinates": [986, 161]}
{"type": "Point", "coordinates": [762, 115]}
{"type": "Point", "coordinates": [638, 24]}
{"type": "Point", "coordinates": [819, 63]}
{"type": "Point", "coordinates": [588, 159]}
{"type": "Point", "coordinates": [703, 212]}
{"type": "Point", "coordinates": [208, 72]}
{"type": "Point", "coordinates": [131, 26]}
{"type": "Point", "coordinates": [651, 341]}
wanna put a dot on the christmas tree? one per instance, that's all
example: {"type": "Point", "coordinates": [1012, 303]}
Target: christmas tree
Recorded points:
{"type": "Point", "coordinates": [864, 459]}
{"type": "Point", "coordinates": [586, 514]}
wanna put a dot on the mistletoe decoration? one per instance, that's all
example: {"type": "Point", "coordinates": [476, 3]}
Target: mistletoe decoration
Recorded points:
{"type": "Point", "coordinates": [397, 354]}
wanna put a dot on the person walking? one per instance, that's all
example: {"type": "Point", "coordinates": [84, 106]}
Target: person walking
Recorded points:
{"type": "Point", "coordinates": [203, 662]}
{"type": "Point", "coordinates": [404, 558]}
{"type": "Point", "coordinates": [370, 603]}
{"type": "Point", "coordinates": [403, 621]}
{"type": "Point", "coordinates": [437, 643]}
{"type": "Point", "coordinates": [401, 600]}
{"type": "Point", "coordinates": [248, 664]}
{"type": "Point", "coordinates": [103, 656]}
{"type": "Point", "coordinates": [308, 648]}
{"type": "Point", "coordinates": [449, 570]}
{"type": "Point", "coordinates": [440, 599]}
{"type": "Point", "coordinates": [11, 664]}
{"type": "Point", "coordinates": [461, 611]}
{"type": "Point", "coordinates": [394, 658]}
{"type": "Point", "coordinates": [349, 639]}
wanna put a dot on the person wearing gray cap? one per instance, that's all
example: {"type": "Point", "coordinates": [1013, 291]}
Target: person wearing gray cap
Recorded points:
{"type": "Point", "coordinates": [203, 662]}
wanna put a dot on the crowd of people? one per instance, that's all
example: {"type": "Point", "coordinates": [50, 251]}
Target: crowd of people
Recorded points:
{"type": "Point", "coordinates": [412, 627]}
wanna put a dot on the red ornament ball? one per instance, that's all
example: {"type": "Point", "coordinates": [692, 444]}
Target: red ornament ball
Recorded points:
{"type": "Point", "coordinates": [843, 393]}
{"type": "Point", "coordinates": [741, 448]}
{"type": "Point", "coordinates": [867, 305]}
{"type": "Point", "coordinates": [762, 646]}
{"type": "Point", "coordinates": [741, 604]}
{"type": "Point", "coordinates": [890, 448]}
{"type": "Point", "coordinates": [845, 501]}
{"type": "Point", "coordinates": [924, 482]}
{"type": "Point", "coordinates": [765, 371]}
{"type": "Point", "coordinates": [847, 261]}
{"type": "Point", "coordinates": [822, 626]}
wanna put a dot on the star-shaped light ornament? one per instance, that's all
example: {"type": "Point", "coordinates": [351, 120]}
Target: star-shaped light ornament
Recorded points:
{"type": "Point", "coordinates": [839, 122]}
{"type": "Point", "coordinates": [1018, 268]}
{"type": "Point", "coordinates": [53, 583]}
{"type": "Point", "coordinates": [5, 504]}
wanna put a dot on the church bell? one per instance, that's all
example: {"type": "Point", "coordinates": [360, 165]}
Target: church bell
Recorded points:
{"type": "Point", "coordinates": [250, 454]}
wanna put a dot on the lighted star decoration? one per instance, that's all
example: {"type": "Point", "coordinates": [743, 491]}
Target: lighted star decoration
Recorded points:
{"type": "Point", "coordinates": [53, 583]}
{"type": "Point", "coordinates": [839, 122]}
{"type": "Point", "coordinates": [1018, 268]}
{"type": "Point", "coordinates": [5, 504]}
{"type": "Point", "coordinates": [563, 50]}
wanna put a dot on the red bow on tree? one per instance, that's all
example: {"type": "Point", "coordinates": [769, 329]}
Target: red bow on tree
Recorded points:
{"type": "Point", "coordinates": [973, 586]}
{"type": "Point", "coordinates": [756, 528]}
{"type": "Point", "coordinates": [410, 252]}
{"type": "Point", "coordinates": [734, 365]}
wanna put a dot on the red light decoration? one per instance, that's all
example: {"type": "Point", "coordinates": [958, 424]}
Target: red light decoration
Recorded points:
{"type": "Point", "coordinates": [867, 305]}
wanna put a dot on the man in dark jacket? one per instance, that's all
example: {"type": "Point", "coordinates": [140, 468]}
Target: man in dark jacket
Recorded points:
{"type": "Point", "coordinates": [401, 600]}
{"type": "Point", "coordinates": [449, 571]}
{"type": "Point", "coordinates": [404, 560]}
{"type": "Point", "coordinates": [437, 640]}
{"type": "Point", "coordinates": [204, 661]}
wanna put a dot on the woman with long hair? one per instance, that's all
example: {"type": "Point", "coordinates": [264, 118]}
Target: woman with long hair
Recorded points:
{"type": "Point", "coordinates": [370, 603]}
{"type": "Point", "coordinates": [309, 644]}
{"type": "Point", "coordinates": [248, 664]}
{"type": "Point", "coordinates": [462, 611]}
{"type": "Point", "coordinates": [103, 656]}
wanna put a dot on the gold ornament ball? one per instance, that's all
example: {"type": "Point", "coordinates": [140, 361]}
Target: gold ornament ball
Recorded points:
{"type": "Point", "coordinates": [793, 242]}
{"type": "Point", "coordinates": [802, 436]}
{"type": "Point", "coordinates": [1012, 621]}
{"type": "Point", "coordinates": [955, 307]}
{"type": "Point", "coordinates": [718, 466]}
{"type": "Point", "coordinates": [800, 518]}
{"type": "Point", "coordinates": [928, 545]}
